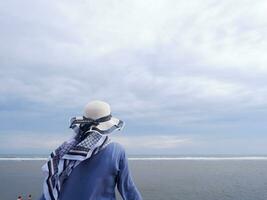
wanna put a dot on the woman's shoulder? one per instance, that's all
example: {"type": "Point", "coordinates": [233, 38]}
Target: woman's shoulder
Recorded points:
{"type": "Point", "coordinates": [117, 146]}
{"type": "Point", "coordinates": [115, 152]}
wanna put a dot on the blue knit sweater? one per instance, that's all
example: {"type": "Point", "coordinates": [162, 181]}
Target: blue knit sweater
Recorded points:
{"type": "Point", "coordinates": [97, 177]}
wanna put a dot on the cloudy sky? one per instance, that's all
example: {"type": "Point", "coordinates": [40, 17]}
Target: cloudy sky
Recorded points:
{"type": "Point", "coordinates": [187, 76]}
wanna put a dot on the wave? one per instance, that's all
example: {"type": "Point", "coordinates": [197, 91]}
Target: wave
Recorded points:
{"type": "Point", "coordinates": [151, 158]}
{"type": "Point", "coordinates": [202, 158]}
{"type": "Point", "coordinates": [21, 159]}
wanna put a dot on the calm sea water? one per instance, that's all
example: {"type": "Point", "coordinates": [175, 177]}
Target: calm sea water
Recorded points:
{"type": "Point", "coordinates": [160, 179]}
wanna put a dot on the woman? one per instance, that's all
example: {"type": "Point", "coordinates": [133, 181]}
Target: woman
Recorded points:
{"type": "Point", "coordinates": [90, 166]}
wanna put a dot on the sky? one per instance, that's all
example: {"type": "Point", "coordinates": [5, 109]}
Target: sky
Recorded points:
{"type": "Point", "coordinates": [186, 76]}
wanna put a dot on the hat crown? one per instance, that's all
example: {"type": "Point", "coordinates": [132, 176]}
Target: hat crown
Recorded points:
{"type": "Point", "coordinates": [96, 109]}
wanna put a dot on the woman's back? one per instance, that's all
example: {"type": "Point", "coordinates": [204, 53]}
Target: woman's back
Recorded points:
{"type": "Point", "coordinates": [97, 177]}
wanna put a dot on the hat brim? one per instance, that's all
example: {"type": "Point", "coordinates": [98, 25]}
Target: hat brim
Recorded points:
{"type": "Point", "coordinates": [109, 126]}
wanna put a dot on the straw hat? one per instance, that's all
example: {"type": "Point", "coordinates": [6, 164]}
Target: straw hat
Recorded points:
{"type": "Point", "coordinates": [98, 113]}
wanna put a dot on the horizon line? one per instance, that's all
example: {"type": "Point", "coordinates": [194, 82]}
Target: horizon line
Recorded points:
{"type": "Point", "coordinates": [150, 158]}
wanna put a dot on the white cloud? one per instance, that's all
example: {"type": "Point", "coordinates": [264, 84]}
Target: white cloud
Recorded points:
{"type": "Point", "coordinates": [165, 60]}
{"type": "Point", "coordinates": [152, 141]}
{"type": "Point", "coordinates": [32, 142]}
{"type": "Point", "coordinates": [43, 142]}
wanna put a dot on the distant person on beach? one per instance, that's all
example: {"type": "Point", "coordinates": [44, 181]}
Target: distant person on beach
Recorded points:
{"type": "Point", "coordinates": [89, 166]}
{"type": "Point", "coordinates": [29, 197]}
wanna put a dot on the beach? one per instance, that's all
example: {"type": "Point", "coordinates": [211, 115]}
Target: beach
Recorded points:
{"type": "Point", "coordinates": [159, 178]}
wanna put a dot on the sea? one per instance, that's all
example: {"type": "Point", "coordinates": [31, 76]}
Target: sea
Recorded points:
{"type": "Point", "coordinates": [157, 177]}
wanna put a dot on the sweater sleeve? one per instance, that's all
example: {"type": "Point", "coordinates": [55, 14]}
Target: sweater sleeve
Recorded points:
{"type": "Point", "coordinates": [125, 183]}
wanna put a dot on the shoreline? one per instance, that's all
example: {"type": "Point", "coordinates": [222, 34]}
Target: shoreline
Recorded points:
{"type": "Point", "coordinates": [151, 158]}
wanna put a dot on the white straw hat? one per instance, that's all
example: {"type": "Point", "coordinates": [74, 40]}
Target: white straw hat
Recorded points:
{"type": "Point", "coordinates": [99, 114]}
